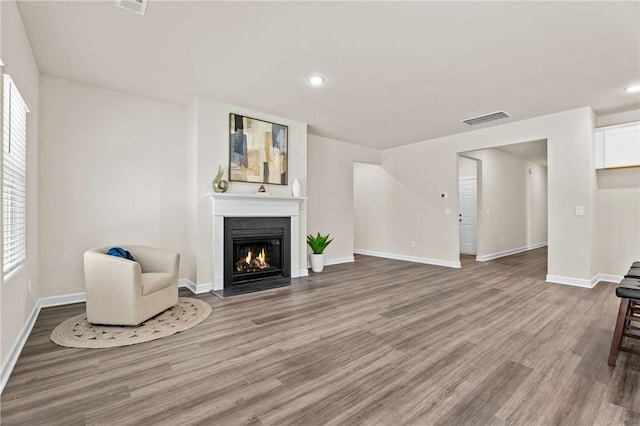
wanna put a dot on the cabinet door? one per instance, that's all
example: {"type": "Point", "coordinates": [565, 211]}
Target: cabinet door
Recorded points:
{"type": "Point", "coordinates": [622, 146]}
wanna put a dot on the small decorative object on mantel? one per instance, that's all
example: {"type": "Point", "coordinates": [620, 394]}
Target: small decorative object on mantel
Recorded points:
{"type": "Point", "coordinates": [262, 191]}
{"type": "Point", "coordinates": [295, 188]}
{"type": "Point", "coordinates": [219, 184]}
{"type": "Point", "coordinates": [318, 244]}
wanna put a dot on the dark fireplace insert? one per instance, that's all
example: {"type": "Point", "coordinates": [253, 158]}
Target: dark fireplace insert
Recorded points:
{"type": "Point", "coordinates": [256, 249]}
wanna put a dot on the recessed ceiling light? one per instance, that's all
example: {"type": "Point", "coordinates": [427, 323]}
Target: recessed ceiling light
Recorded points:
{"type": "Point", "coordinates": [633, 89]}
{"type": "Point", "coordinates": [316, 80]}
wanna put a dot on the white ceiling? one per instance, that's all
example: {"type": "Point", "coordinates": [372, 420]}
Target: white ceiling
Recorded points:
{"type": "Point", "coordinates": [397, 72]}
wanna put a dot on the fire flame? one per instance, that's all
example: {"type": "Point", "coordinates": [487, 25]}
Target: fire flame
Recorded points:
{"type": "Point", "coordinates": [262, 258]}
{"type": "Point", "coordinates": [259, 261]}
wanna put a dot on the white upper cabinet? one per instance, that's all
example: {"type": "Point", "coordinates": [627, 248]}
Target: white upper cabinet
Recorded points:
{"type": "Point", "coordinates": [617, 146]}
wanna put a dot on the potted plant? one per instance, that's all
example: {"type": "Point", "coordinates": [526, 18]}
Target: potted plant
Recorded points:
{"type": "Point", "coordinates": [318, 244]}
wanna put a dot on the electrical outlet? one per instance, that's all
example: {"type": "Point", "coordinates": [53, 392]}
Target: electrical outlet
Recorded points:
{"type": "Point", "coordinates": [501, 240]}
{"type": "Point", "coordinates": [29, 285]}
{"type": "Point", "coordinates": [413, 243]}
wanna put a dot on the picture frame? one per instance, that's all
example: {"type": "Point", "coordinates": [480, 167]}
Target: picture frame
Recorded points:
{"type": "Point", "coordinates": [258, 150]}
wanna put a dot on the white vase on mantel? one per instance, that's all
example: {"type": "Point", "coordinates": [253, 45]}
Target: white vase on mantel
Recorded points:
{"type": "Point", "coordinates": [295, 188]}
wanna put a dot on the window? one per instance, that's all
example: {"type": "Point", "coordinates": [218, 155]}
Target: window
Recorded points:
{"type": "Point", "coordinates": [14, 174]}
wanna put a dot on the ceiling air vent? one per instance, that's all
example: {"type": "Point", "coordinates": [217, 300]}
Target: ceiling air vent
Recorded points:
{"type": "Point", "coordinates": [135, 6]}
{"type": "Point", "coordinates": [485, 118]}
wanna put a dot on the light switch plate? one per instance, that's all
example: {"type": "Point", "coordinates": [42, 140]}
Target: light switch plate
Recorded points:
{"type": "Point", "coordinates": [447, 211]}
{"type": "Point", "coordinates": [579, 210]}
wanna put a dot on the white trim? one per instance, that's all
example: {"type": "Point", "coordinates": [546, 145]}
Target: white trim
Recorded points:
{"type": "Point", "coordinates": [415, 259]}
{"type": "Point", "coordinates": [16, 349]}
{"type": "Point", "coordinates": [576, 282]}
{"type": "Point", "coordinates": [608, 278]}
{"type": "Point", "coordinates": [492, 256]}
{"type": "Point", "coordinates": [302, 272]}
{"type": "Point", "coordinates": [339, 260]}
{"type": "Point", "coordinates": [195, 288]}
{"type": "Point", "coordinates": [65, 299]}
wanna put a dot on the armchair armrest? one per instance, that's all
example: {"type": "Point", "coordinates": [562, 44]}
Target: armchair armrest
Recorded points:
{"type": "Point", "coordinates": [106, 275]}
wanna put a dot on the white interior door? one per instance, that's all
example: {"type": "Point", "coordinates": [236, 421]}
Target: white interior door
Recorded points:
{"type": "Point", "coordinates": [468, 216]}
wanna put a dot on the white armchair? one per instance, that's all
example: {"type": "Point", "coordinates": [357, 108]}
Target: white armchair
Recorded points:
{"type": "Point", "coordinates": [125, 292]}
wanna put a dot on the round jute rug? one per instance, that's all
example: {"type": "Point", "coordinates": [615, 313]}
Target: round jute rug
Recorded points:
{"type": "Point", "coordinates": [77, 332]}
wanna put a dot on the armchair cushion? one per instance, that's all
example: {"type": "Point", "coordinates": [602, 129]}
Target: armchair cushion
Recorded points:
{"type": "Point", "coordinates": [154, 281]}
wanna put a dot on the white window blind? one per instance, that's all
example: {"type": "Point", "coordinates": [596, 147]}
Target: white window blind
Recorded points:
{"type": "Point", "coordinates": [14, 174]}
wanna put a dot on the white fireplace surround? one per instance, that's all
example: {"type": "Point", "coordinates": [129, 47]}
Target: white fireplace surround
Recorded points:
{"type": "Point", "coordinates": [252, 205]}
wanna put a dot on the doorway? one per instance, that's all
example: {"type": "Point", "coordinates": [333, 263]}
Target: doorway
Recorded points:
{"type": "Point", "coordinates": [509, 212]}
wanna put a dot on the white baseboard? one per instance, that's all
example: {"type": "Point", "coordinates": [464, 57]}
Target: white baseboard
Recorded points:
{"type": "Point", "coordinates": [65, 299]}
{"type": "Point", "coordinates": [608, 278]}
{"type": "Point", "coordinates": [16, 349]}
{"type": "Point", "coordinates": [492, 256]}
{"type": "Point", "coordinates": [339, 260]}
{"type": "Point", "coordinates": [299, 272]}
{"type": "Point", "coordinates": [576, 282]}
{"type": "Point", "coordinates": [195, 288]}
{"type": "Point", "coordinates": [415, 259]}
{"type": "Point", "coordinates": [581, 282]}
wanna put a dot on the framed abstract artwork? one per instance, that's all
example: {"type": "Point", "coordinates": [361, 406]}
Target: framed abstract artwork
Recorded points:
{"type": "Point", "coordinates": [257, 150]}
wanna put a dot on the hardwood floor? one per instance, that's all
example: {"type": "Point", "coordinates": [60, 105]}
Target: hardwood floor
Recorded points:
{"type": "Point", "coordinates": [373, 342]}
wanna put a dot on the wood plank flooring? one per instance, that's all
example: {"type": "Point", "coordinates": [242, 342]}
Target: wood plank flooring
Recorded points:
{"type": "Point", "coordinates": [373, 342]}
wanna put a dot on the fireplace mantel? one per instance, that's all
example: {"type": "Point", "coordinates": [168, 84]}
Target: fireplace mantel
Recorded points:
{"type": "Point", "coordinates": [253, 205]}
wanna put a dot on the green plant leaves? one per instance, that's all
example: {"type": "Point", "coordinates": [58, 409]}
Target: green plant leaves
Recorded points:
{"type": "Point", "coordinates": [318, 243]}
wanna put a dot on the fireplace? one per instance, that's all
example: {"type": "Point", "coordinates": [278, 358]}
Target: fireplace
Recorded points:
{"type": "Point", "coordinates": [256, 249]}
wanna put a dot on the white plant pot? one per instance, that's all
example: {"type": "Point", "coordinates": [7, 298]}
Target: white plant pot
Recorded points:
{"type": "Point", "coordinates": [317, 262]}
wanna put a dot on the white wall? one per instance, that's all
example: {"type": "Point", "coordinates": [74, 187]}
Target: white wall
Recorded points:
{"type": "Point", "coordinates": [515, 199]}
{"type": "Point", "coordinates": [618, 221]}
{"type": "Point", "coordinates": [16, 300]}
{"type": "Point", "coordinates": [467, 168]}
{"type": "Point", "coordinates": [373, 191]}
{"type": "Point", "coordinates": [419, 172]}
{"type": "Point", "coordinates": [331, 198]}
{"type": "Point", "coordinates": [618, 206]}
{"type": "Point", "coordinates": [212, 149]}
{"type": "Point", "coordinates": [113, 171]}
{"type": "Point", "coordinates": [537, 212]}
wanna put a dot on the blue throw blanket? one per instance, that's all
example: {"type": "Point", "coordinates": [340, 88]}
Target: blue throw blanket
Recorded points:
{"type": "Point", "coordinates": [120, 252]}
